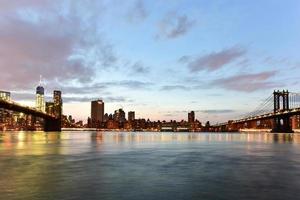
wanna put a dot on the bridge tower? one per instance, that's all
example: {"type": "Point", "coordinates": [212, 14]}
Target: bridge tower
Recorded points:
{"type": "Point", "coordinates": [54, 108]}
{"type": "Point", "coordinates": [281, 122]}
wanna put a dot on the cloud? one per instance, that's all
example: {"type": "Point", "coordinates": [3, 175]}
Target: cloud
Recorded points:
{"type": "Point", "coordinates": [174, 25]}
{"type": "Point", "coordinates": [138, 12]}
{"type": "Point", "coordinates": [132, 84]}
{"type": "Point", "coordinates": [83, 89]}
{"type": "Point", "coordinates": [103, 87]}
{"type": "Point", "coordinates": [184, 59]}
{"type": "Point", "coordinates": [280, 62]}
{"type": "Point", "coordinates": [222, 111]}
{"type": "Point", "coordinates": [61, 47]}
{"type": "Point", "coordinates": [139, 68]}
{"type": "Point", "coordinates": [247, 82]}
{"type": "Point", "coordinates": [174, 87]}
{"type": "Point", "coordinates": [11, 5]}
{"type": "Point", "coordinates": [30, 96]}
{"type": "Point", "coordinates": [17, 96]}
{"type": "Point", "coordinates": [216, 60]}
{"type": "Point", "coordinates": [239, 82]}
{"type": "Point", "coordinates": [244, 62]}
{"type": "Point", "coordinates": [84, 92]}
{"type": "Point", "coordinates": [107, 99]}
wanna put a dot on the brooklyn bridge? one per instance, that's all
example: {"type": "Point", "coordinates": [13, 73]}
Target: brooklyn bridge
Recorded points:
{"type": "Point", "coordinates": [52, 120]}
{"type": "Point", "coordinates": [274, 113]}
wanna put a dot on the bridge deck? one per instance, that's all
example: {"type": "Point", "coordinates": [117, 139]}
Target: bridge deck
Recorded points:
{"type": "Point", "coordinates": [290, 112]}
{"type": "Point", "coordinates": [25, 109]}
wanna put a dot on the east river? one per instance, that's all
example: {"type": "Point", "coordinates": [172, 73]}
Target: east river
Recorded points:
{"type": "Point", "coordinates": [142, 166]}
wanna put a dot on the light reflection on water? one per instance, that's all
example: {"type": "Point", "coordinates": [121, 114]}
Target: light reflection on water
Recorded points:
{"type": "Point", "coordinates": [107, 165]}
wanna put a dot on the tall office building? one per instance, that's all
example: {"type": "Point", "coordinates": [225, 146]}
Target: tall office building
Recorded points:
{"type": "Point", "coordinates": [40, 99]}
{"type": "Point", "coordinates": [4, 114]}
{"type": "Point", "coordinates": [50, 108]}
{"type": "Point", "coordinates": [191, 117]}
{"type": "Point", "coordinates": [131, 116]}
{"type": "Point", "coordinates": [5, 95]}
{"type": "Point", "coordinates": [58, 104]}
{"type": "Point", "coordinates": [119, 116]}
{"type": "Point", "coordinates": [97, 112]}
{"type": "Point", "coordinates": [57, 97]}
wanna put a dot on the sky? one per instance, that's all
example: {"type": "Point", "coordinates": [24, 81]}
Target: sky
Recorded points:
{"type": "Point", "coordinates": [161, 59]}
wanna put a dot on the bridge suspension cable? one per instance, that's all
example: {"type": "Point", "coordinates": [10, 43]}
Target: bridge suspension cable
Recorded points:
{"type": "Point", "coordinates": [294, 100]}
{"type": "Point", "coordinates": [265, 107]}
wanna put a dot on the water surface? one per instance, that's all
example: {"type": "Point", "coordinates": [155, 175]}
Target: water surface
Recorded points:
{"type": "Point", "coordinates": [134, 166]}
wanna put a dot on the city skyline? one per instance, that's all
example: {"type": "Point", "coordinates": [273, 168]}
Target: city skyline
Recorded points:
{"type": "Point", "coordinates": [160, 59]}
{"type": "Point", "coordinates": [149, 99]}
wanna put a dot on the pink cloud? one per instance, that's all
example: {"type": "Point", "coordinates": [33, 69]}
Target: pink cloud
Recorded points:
{"type": "Point", "coordinates": [248, 82]}
{"type": "Point", "coordinates": [48, 47]}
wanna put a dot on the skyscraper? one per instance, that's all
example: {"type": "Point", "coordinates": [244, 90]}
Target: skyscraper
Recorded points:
{"type": "Point", "coordinates": [4, 114]}
{"type": "Point", "coordinates": [131, 116]}
{"type": "Point", "coordinates": [57, 97]}
{"type": "Point", "coordinates": [97, 112]}
{"type": "Point", "coordinates": [119, 116]}
{"type": "Point", "coordinates": [50, 108]}
{"type": "Point", "coordinates": [191, 116]}
{"type": "Point", "coordinates": [5, 95]}
{"type": "Point", "coordinates": [40, 99]}
{"type": "Point", "coordinates": [57, 100]}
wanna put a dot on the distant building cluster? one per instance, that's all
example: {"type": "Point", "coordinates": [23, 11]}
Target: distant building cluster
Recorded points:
{"type": "Point", "coordinates": [118, 121]}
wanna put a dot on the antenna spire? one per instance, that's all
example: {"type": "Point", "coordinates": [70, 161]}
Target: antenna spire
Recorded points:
{"type": "Point", "coordinates": [40, 79]}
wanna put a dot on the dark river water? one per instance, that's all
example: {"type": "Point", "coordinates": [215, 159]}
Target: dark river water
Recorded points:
{"type": "Point", "coordinates": [141, 166]}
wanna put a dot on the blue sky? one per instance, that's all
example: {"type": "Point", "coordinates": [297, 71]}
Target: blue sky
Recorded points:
{"type": "Point", "coordinates": [159, 58]}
